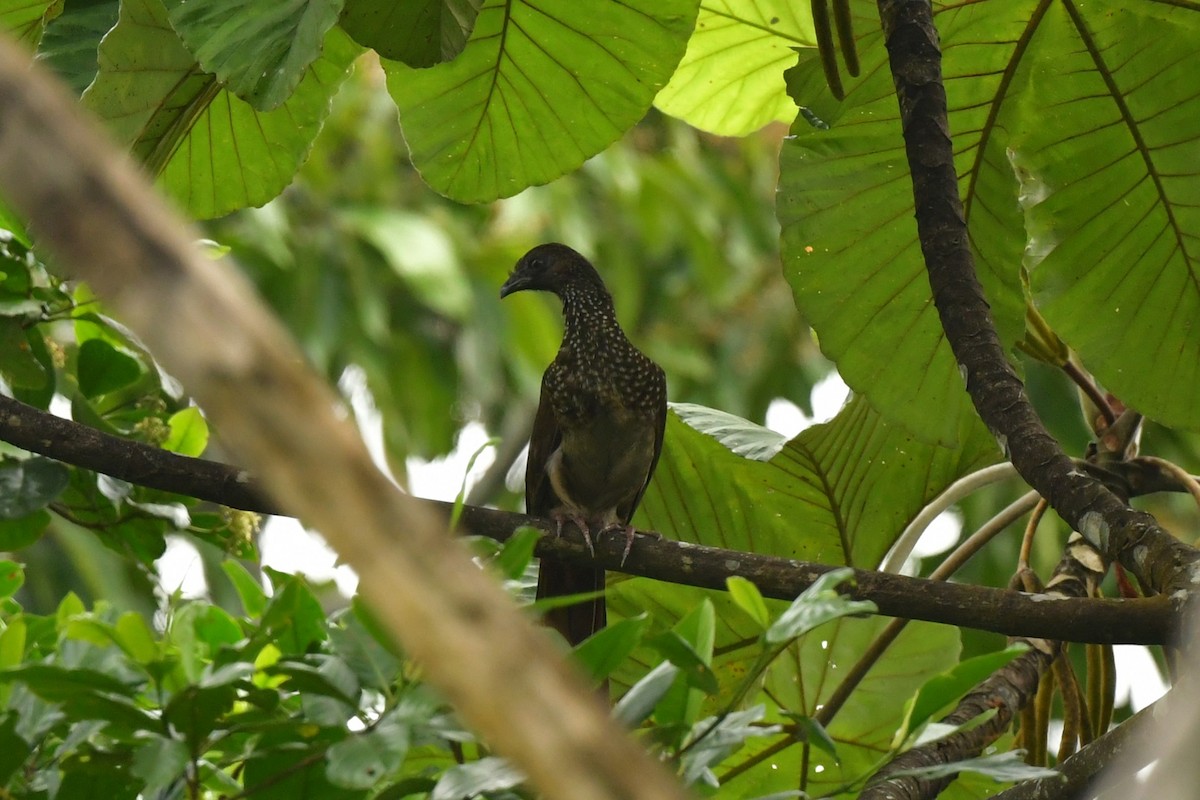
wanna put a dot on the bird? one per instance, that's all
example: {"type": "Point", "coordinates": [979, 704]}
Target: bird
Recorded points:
{"type": "Point", "coordinates": [598, 430]}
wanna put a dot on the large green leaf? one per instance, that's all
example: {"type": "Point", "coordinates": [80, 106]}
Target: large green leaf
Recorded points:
{"type": "Point", "coordinates": [730, 81]}
{"type": "Point", "coordinates": [863, 729]}
{"type": "Point", "coordinates": [1108, 158]}
{"type": "Point", "coordinates": [27, 485]}
{"type": "Point", "coordinates": [538, 90]}
{"type": "Point", "coordinates": [71, 40]}
{"type": "Point", "coordinates": [845, 204]}
{"type": "Point", "coordinates": [259, 51]}
{"type": "Point", "coordinates": [26, 20]}
{"type": "Point", "coordinates": [839, 493]}
{"type": "Point", "coordinates": [801, 680]}
{"type": "Point", "coordinates": [213, 152]}
{"type": "Point", "coordinates": [420, 33]}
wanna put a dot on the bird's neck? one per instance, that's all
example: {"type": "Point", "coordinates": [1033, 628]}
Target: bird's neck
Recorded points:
{"type": "Point", "coordinates": [590, 323]}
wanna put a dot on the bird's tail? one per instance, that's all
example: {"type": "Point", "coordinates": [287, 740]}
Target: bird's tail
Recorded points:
{"type": "Point", "coordinates": [577, 622]}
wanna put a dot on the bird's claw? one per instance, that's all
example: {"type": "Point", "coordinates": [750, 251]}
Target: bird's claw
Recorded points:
{"type": "Point", "coordinates": [628, 531]}
{"type": "Point", "coordinates": [561, 518]}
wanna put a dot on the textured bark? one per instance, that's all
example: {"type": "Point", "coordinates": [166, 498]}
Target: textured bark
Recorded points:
{"type": "Point", "coordinates": [1159, 560]}
{"type": "Point", "coordinates": [1111, 528]}
{"type": "Point", "coordinates": [1006, 693]}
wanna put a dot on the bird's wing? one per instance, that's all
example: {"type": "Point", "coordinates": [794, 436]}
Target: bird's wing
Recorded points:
{"type": "Point", "coordinates": [545, 438]}
{"type": "Point", "coordinates": [660, 427]}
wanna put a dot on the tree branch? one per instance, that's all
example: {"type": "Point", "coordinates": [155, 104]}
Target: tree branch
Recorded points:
{"type": "Point", "coordinates": [1159, 560]}
{"type": "Point", "coordinates": [1111, 528]}
{"type": "Point", "coordinates": [1012, 613]}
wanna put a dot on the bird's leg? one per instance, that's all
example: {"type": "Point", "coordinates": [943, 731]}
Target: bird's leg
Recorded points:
{"type": "Point", "coordinates": [562, 516]}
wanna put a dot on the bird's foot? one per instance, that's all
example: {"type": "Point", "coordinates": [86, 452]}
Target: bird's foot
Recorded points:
{"type": "Point", "coordinates": [627, 530]}
{"type": "Point", "coordinates": [562, 517]}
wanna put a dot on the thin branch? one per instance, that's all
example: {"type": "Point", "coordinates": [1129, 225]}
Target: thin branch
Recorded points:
{"type": "Point", "coordinates": [1081, 772]}
{"type": "Point", "coordinates": [1144, 621]}
{"type": "Point", "coordinates": [82, 446]}
{"type": "Point", "coordinates": [964, 486]}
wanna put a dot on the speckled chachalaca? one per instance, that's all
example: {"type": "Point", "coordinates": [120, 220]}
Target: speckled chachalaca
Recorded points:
{"type": "Point", "coordinates": [598, 430]}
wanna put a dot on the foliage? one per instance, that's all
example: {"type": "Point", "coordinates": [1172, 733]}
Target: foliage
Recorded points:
{"type": "Point", "coordinates": [269, 122]}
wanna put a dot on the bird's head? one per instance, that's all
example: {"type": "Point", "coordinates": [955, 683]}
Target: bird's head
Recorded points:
{"type": "Point", "coordinates": [554, 268]}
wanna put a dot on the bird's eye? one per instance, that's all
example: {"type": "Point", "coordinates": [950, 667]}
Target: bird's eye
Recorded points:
{"type": "Point", "coordinates": [535, 263]}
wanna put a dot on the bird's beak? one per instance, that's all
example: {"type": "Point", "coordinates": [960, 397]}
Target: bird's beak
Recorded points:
{"type": "Point", "coordinates": [515, 283]}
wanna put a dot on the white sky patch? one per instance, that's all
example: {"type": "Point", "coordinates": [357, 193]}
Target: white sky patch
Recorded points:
{"type": "Point", "coordinates": [180, 568]}
{"type": "Point", "coordinates": [942, 534]}
{"type": "Point", "coordinates": [828, 396]}
{"type": "Point", "coordinates": [288, 546]}
{"type": "Point", "coordinates": [441, 478]}
{"type": "Point", "coordinates": [1139, 683]}
{"type": "Point", "coordinates": [353, 386]}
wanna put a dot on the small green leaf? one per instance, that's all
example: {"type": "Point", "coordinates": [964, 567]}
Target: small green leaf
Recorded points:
{"type": "Point", "coordinates": [249, 590]}
{"type": "Point", "coordinates": [679, 651]}
{"type": "Point", "coordinates": [14, 750]}
{"type": "Point", "coordinates": [101, 368]}
{"type": "Point", "coordinates": [815, 734]}
{"type": "Point", "coordinates": [217, 628]}
{"type": "Point", "coordinates": [718, 737]}
{"type": "Point", "coordinates": [491, 774]}
{"type": "Point", "coordinates": [517, 552]}
{"type": "Point", "coordinates": [638, 703]}
{"type": "Point", "coordinates": [1008, 767]}
{"type": "Point", "coordinates": [12, 577]}
{"type": "Point", "coordinates": [17, 361]}
{"type": "Point", "coordinates": [819, 603]}
{"type": "Point", "coordinates": [371, 662]}
{"type": "Point", "coordinates": [941, 690]}
{"type": "Point", "coordinates": [749, 599]}
{"type": "Point", "coordinates": [68, 608]}
{"type": "Point", "coordinates": [29, 484]}
{"type": "Point", "coordinates": [361, 761]}
{"type": "Point", "coordinates": [134, 636]}
{"type": "Point", "coordinates": [189, 432]}
{"type": "Point", "coordinates": [19, 533]}
{"type": "Point", "coordinates": [602, 652]}
{"type": "Point", "coordinates": [12, 651]}
{"type": "Point", "coordinates": [60, 684]}
{"type": "Point", "coordinates": [739, 435]}
{"type": "Point", "coordinates": [294, 619]}
{"type": "Point", "coordinates": [698, 630]}
{"type": "Point", "coordinates": [327, 676]}
{"type": "Point", "coordinates": [160, 761]}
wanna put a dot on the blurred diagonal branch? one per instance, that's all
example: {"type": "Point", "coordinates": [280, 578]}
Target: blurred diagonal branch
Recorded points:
{"type": "Point", "coordinates": [95, 212]}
